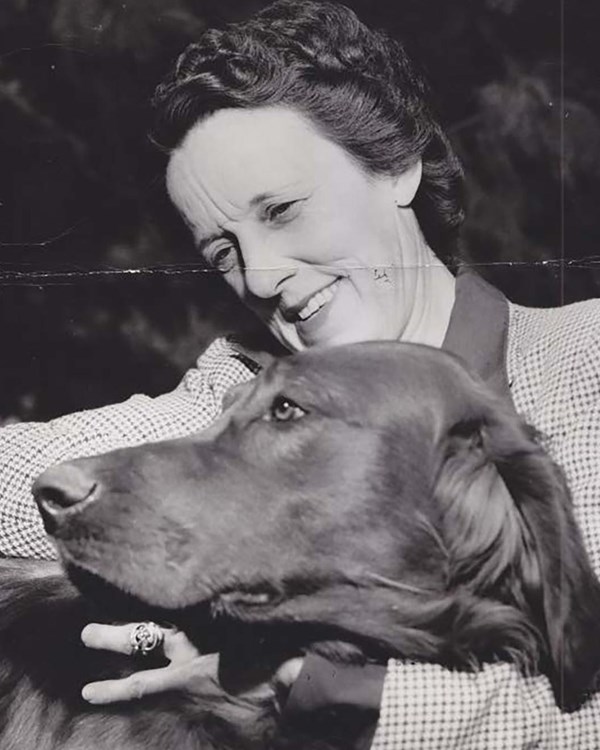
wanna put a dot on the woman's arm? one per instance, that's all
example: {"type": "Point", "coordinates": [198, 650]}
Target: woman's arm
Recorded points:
{"type": "Point", "coordinates": [27, 449]}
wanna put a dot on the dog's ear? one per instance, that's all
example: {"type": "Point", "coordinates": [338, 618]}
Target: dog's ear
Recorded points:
{"type": "Point", "coordinates": [511, 534]}
{"type": "Point", "coordinates": [560, 575]}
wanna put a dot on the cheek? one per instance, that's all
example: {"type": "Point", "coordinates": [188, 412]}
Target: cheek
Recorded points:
{"type": "Point", "coordinates": [377, 281]}
{"type": "Point", "coordinates": [322, 236]}
{"type": "Point", "coordinates": [362, 238]}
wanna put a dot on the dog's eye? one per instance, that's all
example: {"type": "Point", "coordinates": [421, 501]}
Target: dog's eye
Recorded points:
{"type": "Point", "coordinates": [285, 410]}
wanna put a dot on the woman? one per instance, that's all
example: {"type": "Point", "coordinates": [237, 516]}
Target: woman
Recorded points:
{"type": "Point", "coordinates": [314, 178]}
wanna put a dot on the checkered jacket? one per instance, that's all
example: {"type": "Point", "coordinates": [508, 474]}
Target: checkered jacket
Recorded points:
{"type": "Point", "coordinates": [553, 363]}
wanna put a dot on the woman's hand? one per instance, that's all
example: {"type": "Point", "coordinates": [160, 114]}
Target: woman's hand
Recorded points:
{"type": "Point", "coordinates": [188, 670]}
{"type": "Point", "coordinates": [185, 663]}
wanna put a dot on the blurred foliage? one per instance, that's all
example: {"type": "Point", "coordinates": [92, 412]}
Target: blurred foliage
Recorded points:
{"type": "Point", "coordinates": [82, 198]}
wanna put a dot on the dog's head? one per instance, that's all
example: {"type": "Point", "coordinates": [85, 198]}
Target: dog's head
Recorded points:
{"type": "Point", "coordinates": [375, 493]}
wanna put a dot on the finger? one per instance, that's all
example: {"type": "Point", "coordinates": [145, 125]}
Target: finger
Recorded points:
{"type": "Point", "coordinates": [176, 647]}
{"type": "Point", "coordinates": [108, 637]}
{"type": "Point", "coordinates": [151, 681]}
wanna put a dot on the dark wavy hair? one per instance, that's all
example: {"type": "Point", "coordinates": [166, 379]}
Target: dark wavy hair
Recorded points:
{"type": "Point", "coordinates": [357, 86]}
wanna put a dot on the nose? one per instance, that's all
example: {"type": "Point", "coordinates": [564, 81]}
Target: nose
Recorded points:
{"type": "Point", "coordinates": [266, 267]}
{"type": "Point", "coordinates": [60, 490]}
{"type": "Point", "coordinates": [266, 283]}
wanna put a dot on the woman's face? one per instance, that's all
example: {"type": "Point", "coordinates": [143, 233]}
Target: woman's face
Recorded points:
{"type": "Point", "coordinates": [305, 237]}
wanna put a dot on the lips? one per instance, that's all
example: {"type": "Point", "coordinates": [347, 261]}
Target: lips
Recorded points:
{"type": "Point", "coordinates": [311, 305]}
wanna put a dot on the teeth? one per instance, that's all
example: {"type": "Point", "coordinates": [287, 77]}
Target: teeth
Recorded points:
{"type": "Point", "coordinates": [317, 301]}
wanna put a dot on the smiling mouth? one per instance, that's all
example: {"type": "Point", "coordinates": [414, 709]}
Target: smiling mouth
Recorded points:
{"type": "Point", "coordinates": [318, 301]}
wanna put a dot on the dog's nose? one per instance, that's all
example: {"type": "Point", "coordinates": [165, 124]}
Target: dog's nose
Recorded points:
{"type": "Point", "coordinates": [59, 489]}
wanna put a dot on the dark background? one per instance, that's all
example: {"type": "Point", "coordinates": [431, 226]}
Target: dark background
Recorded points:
{"type": "Point", "coordinates": [100, 295]}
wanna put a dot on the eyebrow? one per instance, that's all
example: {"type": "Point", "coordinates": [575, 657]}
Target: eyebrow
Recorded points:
{"type": "Point", "coordinates": [256, 200]}
{"type": "Point", "coordinates": [261, 198]}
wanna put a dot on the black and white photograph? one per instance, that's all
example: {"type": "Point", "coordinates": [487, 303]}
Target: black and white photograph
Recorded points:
{"type": "Point", "coordinates": [300, 375]}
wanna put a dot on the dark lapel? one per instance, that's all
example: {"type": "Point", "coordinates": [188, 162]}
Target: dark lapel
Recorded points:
{"type": "Point", "coordinates": [478, 330]}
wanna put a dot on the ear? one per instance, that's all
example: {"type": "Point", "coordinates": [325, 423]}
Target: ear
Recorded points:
{"type": "Point", "coordinates": [509, 522]}
{"type": "Point", "coordinates": [407, 184]}
{"type": "Point", "coordinates": [566, 584]}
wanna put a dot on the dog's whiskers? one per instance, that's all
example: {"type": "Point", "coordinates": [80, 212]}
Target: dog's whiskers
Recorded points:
{"type": "Point", "coordinates": [399, 585]}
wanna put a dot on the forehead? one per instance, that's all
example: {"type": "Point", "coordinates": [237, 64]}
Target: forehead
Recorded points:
{"type": "Point", "coordinates": [235, 156]}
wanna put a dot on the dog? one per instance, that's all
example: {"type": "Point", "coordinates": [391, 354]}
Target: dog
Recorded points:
{"type": "Point", "coordinates": [366, 501]}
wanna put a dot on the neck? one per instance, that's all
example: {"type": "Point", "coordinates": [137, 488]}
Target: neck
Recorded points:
{"type": "Point", "coordinates": [433, 291]}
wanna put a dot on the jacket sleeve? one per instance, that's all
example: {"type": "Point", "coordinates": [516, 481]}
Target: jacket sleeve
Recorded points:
{"type": "Point", "coordinates": [427, 706]}
{"type": "Point", "coordinates": [27, 449]}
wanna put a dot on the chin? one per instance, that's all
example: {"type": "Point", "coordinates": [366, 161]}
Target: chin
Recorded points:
{"type": "Point", "coordinates": [353, 329]}
{"type": "Point", "coordinates": [360, 332]}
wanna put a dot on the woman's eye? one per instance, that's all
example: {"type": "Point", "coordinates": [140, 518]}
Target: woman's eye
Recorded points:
{"type": "Point", "coordinates": [223, 258]}
{"type": "Point", "coordinates": [285, 410]}
{"type": "Point", "coordinates": [280, 210]}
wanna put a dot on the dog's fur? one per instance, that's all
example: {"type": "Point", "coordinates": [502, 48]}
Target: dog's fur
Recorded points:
{"type": "Point", "coordinates": [374, 495]}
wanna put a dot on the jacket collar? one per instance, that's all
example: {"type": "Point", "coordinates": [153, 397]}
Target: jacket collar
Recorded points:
{"type": "Point", "coordinates": [478, 330]}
